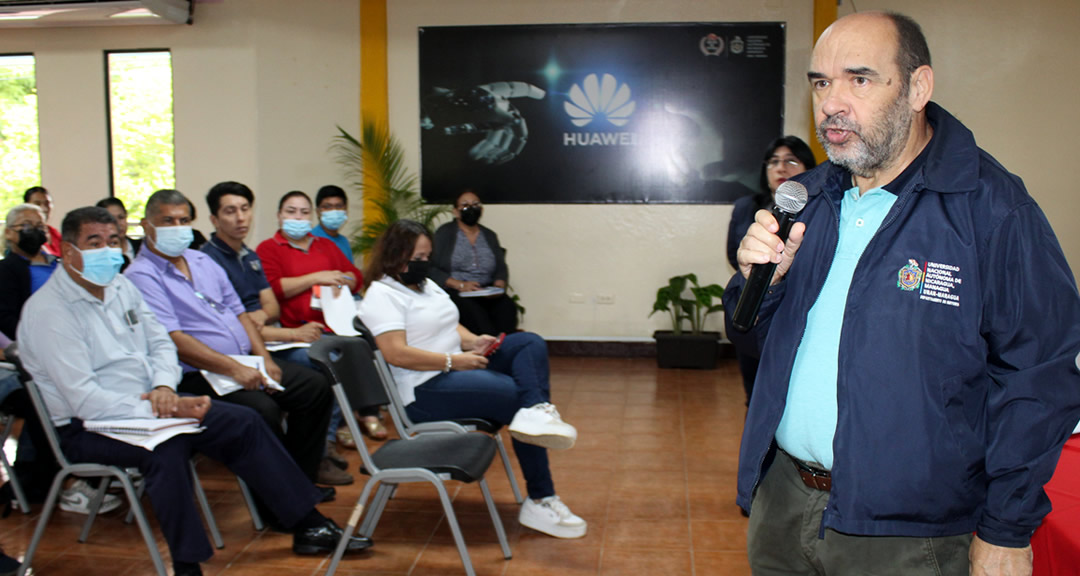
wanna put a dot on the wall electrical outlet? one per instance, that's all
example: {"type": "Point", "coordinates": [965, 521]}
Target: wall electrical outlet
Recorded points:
{"type": "Point", "coordinates": [577, 298]}
{"type": "Point", "coordinates": [606, 299]}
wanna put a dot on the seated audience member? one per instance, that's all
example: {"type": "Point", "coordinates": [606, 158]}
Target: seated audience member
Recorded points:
{"type": "Point", "coordinates": [333, 207]}
{"type": "Point", "coordinates": [468, 257]}
{"type": "Point", "coordinates": [192, 297]}
{"type": "Point", "coordinates": [231, 213]}
{"type": "Point", "coordinates": [443, 373]}
{"type": "Point", "coordinates": [785, 157]}
{"type": "Point", "coordinates": [39, 196]}
{"type": "Point", "coordinates": [295, 262]}
{"type": "Point", "coordinates": [130, 246]}
{"type": "Point", "coordinates": [27, 267]}
{"type": "Point", "coordinates": [133, 373]}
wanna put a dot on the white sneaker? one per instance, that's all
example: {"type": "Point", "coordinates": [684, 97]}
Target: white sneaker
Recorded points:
{"type": "Point", "coordinates": [552, 517]}
{"type": "Point", "coordinates": [541, 425]}
{"type": "Point", "coordinates": [77, 499]}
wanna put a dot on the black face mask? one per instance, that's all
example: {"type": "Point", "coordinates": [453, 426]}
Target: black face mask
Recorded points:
{"type": "Point", "coordinates": [470, 215]}
{"type": "Point", "coordinates": [31, 240]}
{"type": "Point", "coordinates": [415, 274]}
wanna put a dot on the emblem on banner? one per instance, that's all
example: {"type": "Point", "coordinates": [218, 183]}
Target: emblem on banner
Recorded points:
{"type": "Point", "coordinates": [600, 98]}
{"type": "Point", "coordinates": [711, 45]}
{"type": "Point", "coordinates": [910, 276]}
{"type": "Point", "coordinates": [737, 45]}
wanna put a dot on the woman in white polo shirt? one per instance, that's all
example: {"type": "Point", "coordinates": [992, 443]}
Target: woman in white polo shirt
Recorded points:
{"type": "Point", "coordinates": [442, 372]}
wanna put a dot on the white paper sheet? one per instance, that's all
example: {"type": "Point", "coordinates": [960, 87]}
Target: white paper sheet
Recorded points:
{"type": "Point", "coordinates": [338, 311]}
{"type": "Point", "coordinates": [224, 385]}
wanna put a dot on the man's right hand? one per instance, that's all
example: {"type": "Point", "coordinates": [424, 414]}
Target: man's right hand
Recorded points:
{"type": "Point", "coordinates": [309, 332]}
{"type": "Point", "coordinates": [761, 245]}
{"type": "Point", "coordinates": [192, 407]}
{"type": "Point", "coordinates": [248, 377]}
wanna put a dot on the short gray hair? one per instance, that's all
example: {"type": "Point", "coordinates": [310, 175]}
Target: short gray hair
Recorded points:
{"type": "Point", "coordinates": [13, 214]}
{"type": "Point", "coordinates": [164, 197]}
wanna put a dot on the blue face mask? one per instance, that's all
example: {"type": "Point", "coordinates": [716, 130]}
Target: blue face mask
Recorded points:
{"type": "Point", "coordinates": [333, 219]}
{"type": "Point", "coordinates": [296, 229]}
{"type": "Point", "coordinates": [173, 240]}
{"type": "Point", "coordinates": [101, 265]}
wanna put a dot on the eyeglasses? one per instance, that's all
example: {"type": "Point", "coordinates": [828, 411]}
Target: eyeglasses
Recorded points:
{"type": "Point", "coordinates": [774, 162]}
{"type": "Point", "coordinates": [470, 205]}
{"type": "Point", "coordinates": [26, 226]}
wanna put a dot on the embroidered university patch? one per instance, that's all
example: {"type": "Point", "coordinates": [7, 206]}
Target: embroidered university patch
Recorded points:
{"type": "Point", "coordinates": [910, 277]}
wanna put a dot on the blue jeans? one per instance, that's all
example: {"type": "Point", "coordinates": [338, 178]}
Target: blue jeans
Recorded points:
{"type": "Point", "coordinates": [517, 377]}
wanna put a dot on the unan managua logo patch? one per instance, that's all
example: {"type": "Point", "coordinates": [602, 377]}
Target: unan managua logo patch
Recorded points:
{"type": "Point", "coordinates": [601, 98]}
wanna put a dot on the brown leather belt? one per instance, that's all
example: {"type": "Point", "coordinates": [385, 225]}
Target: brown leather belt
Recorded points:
{"type": "Point", "coordinates": [813, 477]}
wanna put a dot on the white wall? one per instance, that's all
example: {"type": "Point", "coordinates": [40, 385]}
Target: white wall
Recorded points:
{"type": "Point", "coordinates": [258, 87]}
{"type": "Point", "coordinates": [627, 251]}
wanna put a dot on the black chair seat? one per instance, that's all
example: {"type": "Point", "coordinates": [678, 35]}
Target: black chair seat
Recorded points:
{"type": "Point", "coordinates": [465, 457]}
{"type": "Point", "coordinates": [481, 424]}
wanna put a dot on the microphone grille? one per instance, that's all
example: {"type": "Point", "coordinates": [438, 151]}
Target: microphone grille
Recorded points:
{"type": "Point", "coordinates": [791, 197]}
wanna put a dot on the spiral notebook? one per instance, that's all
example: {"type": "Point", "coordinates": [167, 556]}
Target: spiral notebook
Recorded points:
{"type": "Point", "coordinates": [138, 426]}
{"type": "Point", "coordinates": [143, 432]}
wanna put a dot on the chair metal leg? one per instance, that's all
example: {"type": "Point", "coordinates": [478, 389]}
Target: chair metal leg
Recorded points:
{"type": "Point", "coordinates": [256, 518]}
{"type": "Point", "coordinates": [140, 518]}
{"type": "Point", "coordinates": [509, 467]}
{"type": "Point", "coordinates": [495, 519]}
{"type": "Point", "coordinates": [95, 505]}
{"type": "Point", "coordinates": [139, 489]}
{"type": "Point", "coordinates": [350, 527]}
{"type": "Point", "coordinates": [46, 512]}
{"type": "Point", "coordinates": [208, 515]}
{"type": "Point", "coordinates": [378, 504]}
{"type": "Point", "coordinates": [451, 520]}
{"type": "Point", "coordinates": [16, 486]}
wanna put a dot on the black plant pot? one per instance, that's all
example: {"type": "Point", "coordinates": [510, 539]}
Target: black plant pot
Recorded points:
{"type": "Point", "coordinates": [687, 350]}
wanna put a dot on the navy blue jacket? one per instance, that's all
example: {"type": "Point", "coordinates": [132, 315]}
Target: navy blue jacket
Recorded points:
{"type": "Point", "coordinates": [957, 382]}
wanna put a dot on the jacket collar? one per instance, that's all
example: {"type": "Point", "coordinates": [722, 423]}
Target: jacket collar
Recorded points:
{"type": "Point", "coordinates": [952, 161]}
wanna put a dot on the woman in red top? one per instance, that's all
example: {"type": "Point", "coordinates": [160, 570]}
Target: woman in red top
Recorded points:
{"type": "Point", "coordinates": [295, 261]}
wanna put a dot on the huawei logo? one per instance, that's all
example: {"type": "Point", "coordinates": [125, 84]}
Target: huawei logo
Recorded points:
{"type": "Point", "coordinates": [601, 98]}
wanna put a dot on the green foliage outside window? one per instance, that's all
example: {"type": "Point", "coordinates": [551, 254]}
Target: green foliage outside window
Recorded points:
{"type": "Point", "coordinates": [141, 117]}
{"type": "Point", "coordinates": [20, 163]}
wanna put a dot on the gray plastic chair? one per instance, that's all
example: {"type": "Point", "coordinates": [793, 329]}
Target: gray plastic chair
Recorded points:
{"type": "Point", "coordinates": [432, 458]}
{"type": "Point", "coordinates": [406, 427]}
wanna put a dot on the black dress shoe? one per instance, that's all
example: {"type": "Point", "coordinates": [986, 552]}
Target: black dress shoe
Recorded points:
{"type": "Point", "coordinates": [328, 494]}
{"type": "Point", "coordinates": [324, 539]}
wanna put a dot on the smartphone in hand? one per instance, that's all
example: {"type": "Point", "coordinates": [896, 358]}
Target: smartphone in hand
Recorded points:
{"type": "Point", "coordinates": [495, 345]}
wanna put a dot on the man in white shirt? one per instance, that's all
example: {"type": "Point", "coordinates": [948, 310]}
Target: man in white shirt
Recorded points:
{"type": "Point", "coordinates": [117, 362]}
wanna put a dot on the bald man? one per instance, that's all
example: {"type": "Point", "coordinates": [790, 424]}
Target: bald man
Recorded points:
{"type": "Point", "coordinates": [918, 379]}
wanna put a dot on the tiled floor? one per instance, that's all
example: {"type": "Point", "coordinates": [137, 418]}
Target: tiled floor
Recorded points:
{"type": "Point", "coordinates": [653, 472]}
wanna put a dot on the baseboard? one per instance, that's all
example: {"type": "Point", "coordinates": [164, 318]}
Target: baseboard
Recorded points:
{"type": "Point", "coordinates": [616, 348]}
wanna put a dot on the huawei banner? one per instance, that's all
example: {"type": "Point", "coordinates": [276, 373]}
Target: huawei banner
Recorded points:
{"type": "Point", "coordinates": [671, 113]}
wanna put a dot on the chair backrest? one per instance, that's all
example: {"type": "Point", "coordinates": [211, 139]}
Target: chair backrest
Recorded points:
{"type": "Point", "coordinates": [12, 354]}
{"type": "Point", "coordinates": [350, 362]}
{"type": "Point", "coordinates": [397, 406]}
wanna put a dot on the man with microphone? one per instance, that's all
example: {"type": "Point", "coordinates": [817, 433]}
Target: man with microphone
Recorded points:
{"type": "Point", "coordinates": [918, 337]}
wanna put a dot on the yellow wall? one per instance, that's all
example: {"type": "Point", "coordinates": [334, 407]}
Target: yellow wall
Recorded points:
{"type": "Point", "coordinates": [260, 85]}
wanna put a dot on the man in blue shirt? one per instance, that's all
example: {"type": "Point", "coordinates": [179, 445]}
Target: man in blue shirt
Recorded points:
{"type": "Point", "coordinates": [333, 207]}
{"type": "Point", "coordinates": [918, 375]}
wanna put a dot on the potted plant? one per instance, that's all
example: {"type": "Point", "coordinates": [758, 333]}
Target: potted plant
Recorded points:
{"type": "Point", "coordinates": [376, 167]}
{"type": "Point", "coordinates": [679, 347]}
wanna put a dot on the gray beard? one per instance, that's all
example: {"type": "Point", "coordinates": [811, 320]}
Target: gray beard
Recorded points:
{"type": "Point", "coordinates": [875, 148]}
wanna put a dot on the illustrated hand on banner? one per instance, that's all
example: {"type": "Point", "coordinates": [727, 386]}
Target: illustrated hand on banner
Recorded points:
{"type": "Point", "coordinates": [482, 109]}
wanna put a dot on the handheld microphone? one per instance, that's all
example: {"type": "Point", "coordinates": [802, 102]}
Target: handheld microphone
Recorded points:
{"type": "Point", "coordinates": [790, 200]}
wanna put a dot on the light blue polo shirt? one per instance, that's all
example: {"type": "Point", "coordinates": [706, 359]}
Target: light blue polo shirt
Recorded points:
{"type": "Point", "coordinates": [809, 423]}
